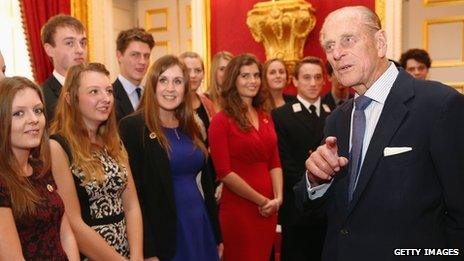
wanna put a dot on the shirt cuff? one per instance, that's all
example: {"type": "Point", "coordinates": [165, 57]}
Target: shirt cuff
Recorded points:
{"type": "Point", "coordinates": [318, 191]}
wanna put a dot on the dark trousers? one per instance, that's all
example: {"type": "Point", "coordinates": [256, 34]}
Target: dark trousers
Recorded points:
{"type": "Point", "coordinates": [302, 243]}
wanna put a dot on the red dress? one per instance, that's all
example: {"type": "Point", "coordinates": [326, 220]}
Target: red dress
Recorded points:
{"type": "Point", "coordinates": [40, 234]}
{"type": "Point", "coordinates": [247, 235]}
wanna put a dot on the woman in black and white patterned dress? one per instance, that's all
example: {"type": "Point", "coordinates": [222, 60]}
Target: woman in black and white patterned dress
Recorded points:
{"type": "Point", "coordinates": [90, 167]}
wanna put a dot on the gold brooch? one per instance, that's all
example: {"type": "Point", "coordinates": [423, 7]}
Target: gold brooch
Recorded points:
{"type": "Point", "coordinates": [152, 136]}
{"type": "Point", "coordinates": [50, 187]}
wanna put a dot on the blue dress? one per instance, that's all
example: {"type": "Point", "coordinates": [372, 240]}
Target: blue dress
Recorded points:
{"type": "Point", "coordinates": [194, 234]}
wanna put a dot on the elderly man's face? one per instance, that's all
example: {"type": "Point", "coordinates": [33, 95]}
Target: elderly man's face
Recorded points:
{"type": "Point", "coordinates": [354, 51]}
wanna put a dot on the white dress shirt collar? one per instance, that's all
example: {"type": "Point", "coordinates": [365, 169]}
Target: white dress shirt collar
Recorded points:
{"type": "Point", "coordinates": [59, 77]}
{"type": "Point", "coordinates": [130, 89]}
{"type": "Point", "coordinates": [306, 104]}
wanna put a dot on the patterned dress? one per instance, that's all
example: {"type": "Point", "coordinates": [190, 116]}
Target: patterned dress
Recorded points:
{"type": "Point", "coordinates": [101, 204]}
{"type": "Point", "coordinates": [40, 233]}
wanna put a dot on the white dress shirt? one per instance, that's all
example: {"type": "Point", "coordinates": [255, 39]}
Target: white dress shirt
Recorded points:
{"type": "Point", "coordinates": [131, 91]}
{"type": "Point", "coordinates": [378, 92]}
{"type": "Point", "coordinates": [59, 77]}
{"type": "Point", "coordinates": [306, 104]}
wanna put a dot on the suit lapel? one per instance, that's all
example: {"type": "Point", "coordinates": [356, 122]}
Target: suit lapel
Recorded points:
{"type": "Point", "coordinates": [304, 117]}
{"type": "Point", "coordinates": [390, 120]}
{"type": "Point", "coordinates": [343, 141]}
{"type": "Point", "coordinates": [121, 98]}
{"type": "Point", "coordinates": [55, 85]}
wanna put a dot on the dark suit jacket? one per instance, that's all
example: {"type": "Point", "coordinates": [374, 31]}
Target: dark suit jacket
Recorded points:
{"type": "Point", "coordinates": [408, 200]}
{"type": "Point", "coordinates": [150, 167]}
{"type": "Point", "coordinates": [330, 101]}
{"type": "Point", "coordinates": [51, 90]}
{"type": "Point", "coordinates": [122, 104]}
{"type": "Point", "coordinates": [297, 133]}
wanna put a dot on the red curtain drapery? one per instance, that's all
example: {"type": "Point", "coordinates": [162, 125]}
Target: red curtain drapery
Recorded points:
{"type": "Point", "coordinates": [35, 13]}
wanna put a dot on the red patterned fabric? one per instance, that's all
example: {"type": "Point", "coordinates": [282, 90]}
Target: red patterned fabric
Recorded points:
{"type": "Point", "coordinates": [40, 234]}
{"type": "Point", "coordinates": [35, 13]}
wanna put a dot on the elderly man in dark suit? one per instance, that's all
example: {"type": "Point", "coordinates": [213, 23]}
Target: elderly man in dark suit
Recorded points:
{"type": "Point", "coordinates": [299, 126]}
{"type": "Point", "coordinates": [133, 52]}
{"type": "Point", "coordinates": [390, 175]}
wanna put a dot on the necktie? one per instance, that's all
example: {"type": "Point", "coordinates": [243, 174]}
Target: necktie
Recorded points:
{"type": "Point", "coordinates": [139, 92]}
{"type": "Point", "coordinates": [359, 127]}
{"type": "Point", "coordinates": [312, 109]}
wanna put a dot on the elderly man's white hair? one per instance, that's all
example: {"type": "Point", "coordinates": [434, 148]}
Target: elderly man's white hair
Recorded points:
{"type": "Point", "coordinates": [367, 16]}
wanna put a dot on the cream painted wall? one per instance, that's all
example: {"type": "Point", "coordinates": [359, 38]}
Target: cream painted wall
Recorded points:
{"type": "Point", "coordinates": [446, 40]}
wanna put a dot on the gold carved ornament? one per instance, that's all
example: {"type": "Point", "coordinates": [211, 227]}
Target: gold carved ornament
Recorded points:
{"type": "Point", "coordinates": [282, 26]}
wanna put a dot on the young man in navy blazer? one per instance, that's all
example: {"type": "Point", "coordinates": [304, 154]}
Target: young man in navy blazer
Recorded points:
{"type": "Point", "coordinates": [65, 42]}
{"type": "Point", "coordinates": [133, 53]}
{"type": "Point", "coordinates": [299, 126]}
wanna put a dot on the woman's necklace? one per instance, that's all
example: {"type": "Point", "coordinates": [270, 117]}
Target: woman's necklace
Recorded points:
{"type": "Point", "coordinates": [177, 134]}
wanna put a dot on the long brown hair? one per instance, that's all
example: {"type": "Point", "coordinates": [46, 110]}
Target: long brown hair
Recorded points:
{"type": "Point", "coordinates": [24, 199]}
{"type": "Point", "coordinates": [213, 86]}
{"type": "Point", "coordinates": [149, 106]}
{"type": "Point", "coordinates": [231, 100]}
{"type": "Point", "coordinates": [265, 83]}
{"type": "Point", "coordinates": [68, 123]}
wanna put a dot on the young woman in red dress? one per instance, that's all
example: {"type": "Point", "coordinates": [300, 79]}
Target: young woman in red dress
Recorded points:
{"type": "Point", "coordinates": [32, 221]}
{"type": "Point", "coordinates": [244, 150]}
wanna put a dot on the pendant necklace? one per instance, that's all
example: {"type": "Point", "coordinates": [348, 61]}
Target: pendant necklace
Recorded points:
{"type": "Point", "coordinates": [177, 134]}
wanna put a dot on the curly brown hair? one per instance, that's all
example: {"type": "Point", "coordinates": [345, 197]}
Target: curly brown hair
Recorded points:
{"type": "Point", "coordinates": [232, 102]}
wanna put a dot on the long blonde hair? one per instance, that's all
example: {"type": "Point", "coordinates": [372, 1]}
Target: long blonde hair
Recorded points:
{"type": "Point", "coordinates": [149, 107]}
{"type": "Point", "coordinates": [24, 199]}
{"type": "Point", "coordinates": [213, 86]}
{"type": "Point", "coordinates": [68, 123]}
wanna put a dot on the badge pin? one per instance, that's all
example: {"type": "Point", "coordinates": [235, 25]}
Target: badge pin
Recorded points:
{"type": "Point", "coordinates": [296, 107]}
{"type": "Point", "coordinates": [50, 188]}
{"type": "Point", "coordinates": [152, 136]}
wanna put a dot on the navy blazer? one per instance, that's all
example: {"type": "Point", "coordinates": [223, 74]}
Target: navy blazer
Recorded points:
{"type": "Point", "coordinates": [122, 103]}
{"type": "Point", "coordinates": [297, 133]}
{"type": "Point", "coordinates": [150, 167]}
{"type": "Point", "coordinates": [51, 89]}
{"type": "Point", "coordinates": [408, 200]}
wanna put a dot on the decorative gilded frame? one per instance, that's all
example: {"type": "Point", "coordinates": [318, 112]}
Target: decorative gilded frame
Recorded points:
{"type": "Point", "coordinates": [164, 43]}
{"type": "Point", "coordinates": [425, 40]}
{"type": "Point", "coordinates": [442, 2]}
{"type": "Point", "coordinates": [148, 24]}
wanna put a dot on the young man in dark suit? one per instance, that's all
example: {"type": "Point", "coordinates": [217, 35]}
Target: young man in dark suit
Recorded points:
{"type": "Point", "coordinates": [390, 174]}
{"type": "Point", "coordinates": [299, 126]}
{"type": "Point", "coordinates": [64, 40]}
{"type": "Point", "coordinates": [338, 94]}
{"type": "Point", "coordinates": [133, 48]}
